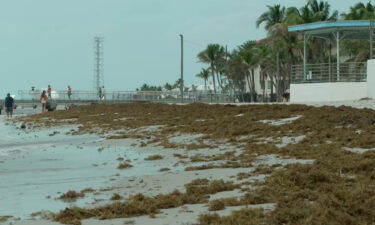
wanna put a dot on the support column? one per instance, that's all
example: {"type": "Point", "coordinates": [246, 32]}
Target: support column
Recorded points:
{"type": "Point", "coordinates": [338, 54]}
{"type": "Point", "coordinates": [304, 56]}
{"type": "Point", "coordinates": [182, 68]}
{"type": "Point", "coordinates": [371, 39]}
{"type": "Point", "coordinates": [330, 62]}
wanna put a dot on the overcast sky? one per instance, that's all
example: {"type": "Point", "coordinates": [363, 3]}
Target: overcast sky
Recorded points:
{"type": "Point", "coordinates": [51, 41]}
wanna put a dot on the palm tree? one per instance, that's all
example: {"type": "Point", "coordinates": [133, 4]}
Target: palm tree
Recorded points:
{"type": "Point", "coordinates": [212, 55]}
{"type": "Point", "coordinates": [299, 16]}
{"type": "Point", "coordinates": [284, 49]}
{"type": "Point", "coordinates": [360, 11]}
{"type": "Point", "coordinates": [221, 68]}
{"type": "Point", "coordinates": [168, 86]}
{"type": "Point", "coordinates": [177, 83]}
{"type": "Point", "coordinates": [235, 75]}
{"type": "Point", "coordinates": [358, 50]}
{"type": "Point", "coordinates": [274, 15]}
{"type": "Point", "coordinates": [204, 74]}
{"type": "Point", "coordinates": [248, 53]}
{"type": "Point", "coordinates": [313, 11]}
{"type": "Point", "coordinates": [321, 11]}
{"type": "Point", "coordinates": [240, 70]}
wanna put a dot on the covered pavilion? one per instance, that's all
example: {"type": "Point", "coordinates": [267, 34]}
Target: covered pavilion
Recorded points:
{"type": "Point", "coordinates": [333, 32]}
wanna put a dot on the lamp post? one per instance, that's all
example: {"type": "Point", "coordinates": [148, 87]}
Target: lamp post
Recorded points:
{"type": "Point", "coordinates": [182, 68]}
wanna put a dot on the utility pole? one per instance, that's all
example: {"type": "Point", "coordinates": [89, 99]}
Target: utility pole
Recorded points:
{"type": "Point", "coordinates": [182, 68]}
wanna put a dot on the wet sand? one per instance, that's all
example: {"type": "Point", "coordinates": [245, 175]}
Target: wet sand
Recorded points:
{"type": "Point", "coordinates": [35, 168]}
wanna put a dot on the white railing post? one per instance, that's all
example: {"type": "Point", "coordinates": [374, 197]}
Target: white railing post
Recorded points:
{"type": "Point", "coordinates": [338, 54]}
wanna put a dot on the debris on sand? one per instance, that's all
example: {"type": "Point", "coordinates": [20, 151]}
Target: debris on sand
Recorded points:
{"type": "Point", "coordinates": [4, 218]}
{"type": "Point", "coordinates": [124, 165]}
{"type": "Point", "coordinates": [116, 197]}
{"type": "Point", "coordinates": [154, 157]}
{"type": "Point", "coordinates": [71, 196]}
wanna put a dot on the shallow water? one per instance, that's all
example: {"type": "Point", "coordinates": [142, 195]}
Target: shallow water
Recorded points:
{"type": "Point", "coordinates": [35, 165]}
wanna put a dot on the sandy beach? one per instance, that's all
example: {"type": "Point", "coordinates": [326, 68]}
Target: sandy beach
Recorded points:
{"type": "Point", "coordinates": [167, 149]}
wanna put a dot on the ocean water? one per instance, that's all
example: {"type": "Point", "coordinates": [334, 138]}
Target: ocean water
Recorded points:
{"type": "Point", "coordinates": [35, 168]}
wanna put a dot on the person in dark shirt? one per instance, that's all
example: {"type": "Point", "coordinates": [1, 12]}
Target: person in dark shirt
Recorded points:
{"type": "Point", "coordinates": [9, 105]}
{"type": "Point", "coordinates": [69, 92]}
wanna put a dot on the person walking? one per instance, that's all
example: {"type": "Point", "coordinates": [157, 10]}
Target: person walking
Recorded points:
{"type": "Point", "coordinates": [9, 105]}
{"type": "Point", "coordinates": [43, 100]}
{"type": "Point", "coordinates": [69, 92]}
{"type": "Point", "coordinates": [49, 91]}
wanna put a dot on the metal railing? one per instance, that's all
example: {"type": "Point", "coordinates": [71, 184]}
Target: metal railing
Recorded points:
{"type": "Point", "coordinates": [128, 96]}
{"type": "Point", "coordinates": [325, 72]}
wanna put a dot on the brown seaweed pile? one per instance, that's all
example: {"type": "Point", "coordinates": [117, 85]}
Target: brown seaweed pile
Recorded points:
{"type": "Point", "coordinates": [338, 188]}
{"type": "Point", "coordinates": [196, 192]}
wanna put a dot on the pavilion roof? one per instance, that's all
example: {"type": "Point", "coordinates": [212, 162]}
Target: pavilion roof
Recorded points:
{"type": "Point", "coordinates": [350, 29]}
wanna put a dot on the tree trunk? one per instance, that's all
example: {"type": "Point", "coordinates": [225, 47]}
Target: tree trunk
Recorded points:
{"type": "Point", "coordinates": [247, 75]}
{"type": "Point", "coordinates": [264, 87]}
{"type": "Point", "coordinates": [218, 80]}
{"type": "Point", "coordinates": [205, 84]}
{"type": "Point", "coordinates": [251, 84]}
{"type": "Point", "coordinates": [264, 90]}
{"type": "Point", "coordinates": [213, 76]}
{"type": "Point", "coordinates": [278, 76]}
{"type": "Point", "coordinates": [253, 94]}
{"type": "Point", "coordinates": [286, 70]}
{"type": "Point", "coordinates": [243, 92]}
{"type": "Point", "coordinates": [271, 97]}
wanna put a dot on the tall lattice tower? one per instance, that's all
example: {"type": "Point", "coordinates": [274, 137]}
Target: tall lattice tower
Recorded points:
{"type": "Point", "coordinates": [98, 63]}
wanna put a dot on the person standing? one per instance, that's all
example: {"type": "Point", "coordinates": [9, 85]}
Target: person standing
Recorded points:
{"type": "Point", "coordinates": [103, 93]}
{"type": "Point", "coordinates": [69, 92]}
{"type": "Point", "coordinates": [43, 100]}
{"type": "Point", "coordinates": [9, 105]}
{"type": "Point", "coordinates": [100, 92]}
{"type": "Point", "coordinates": [49, 91]}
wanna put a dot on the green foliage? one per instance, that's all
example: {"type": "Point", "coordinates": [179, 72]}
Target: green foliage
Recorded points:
{"type": "Point", "coordinates": [177, 83]}
{"type": "Point", "coordinates": [168, 86]}
{"type": "Point", "coordinates": [146, 87]}
{"type": "Point", "coordinates": [274, 15]}
{"type": "Point", "coordinates": [313, 11]}
{"type": "Point", "coordinates": [213, 55]}
{"type": "Point", "coordinates": [360, 11]}
{"type": "Point", "coordinates": [204, 74]}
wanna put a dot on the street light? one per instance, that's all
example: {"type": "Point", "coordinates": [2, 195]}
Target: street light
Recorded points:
{"type": "Point", "coordinates": [182, 68]}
